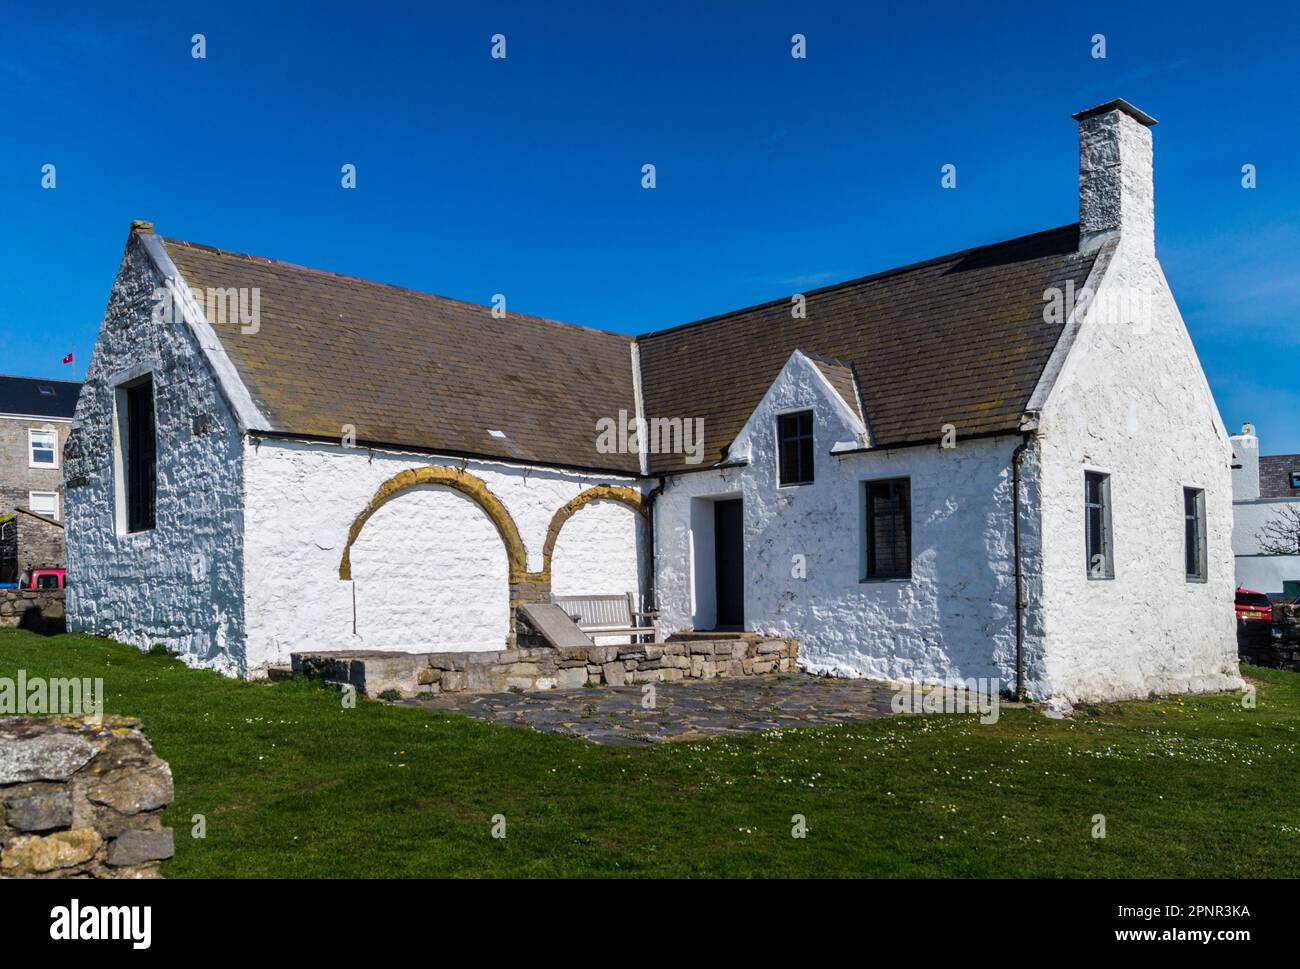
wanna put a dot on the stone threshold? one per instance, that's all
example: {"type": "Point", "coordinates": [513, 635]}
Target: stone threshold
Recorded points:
{"type": "Point", "coordinates": [384, 673]}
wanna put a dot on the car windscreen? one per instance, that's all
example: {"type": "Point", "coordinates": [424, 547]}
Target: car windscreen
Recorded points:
{"type": "Point", "coordinates": [1253, 599]}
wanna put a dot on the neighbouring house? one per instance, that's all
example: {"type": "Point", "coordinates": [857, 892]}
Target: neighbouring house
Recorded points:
{"type": "Point", "coordinates": [1266, 517]}
{"type": "Point", "coordinates": [1003, 463]}
{"type": "Point", "coordinates": [35, 419]}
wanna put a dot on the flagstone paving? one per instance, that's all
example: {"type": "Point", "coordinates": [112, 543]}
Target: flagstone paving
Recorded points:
{"type": "Point", "coordinates": [684, 710]}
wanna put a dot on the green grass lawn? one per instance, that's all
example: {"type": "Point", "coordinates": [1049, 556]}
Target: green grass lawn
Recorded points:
{"type": "Point", "coordinates": [292, 784]}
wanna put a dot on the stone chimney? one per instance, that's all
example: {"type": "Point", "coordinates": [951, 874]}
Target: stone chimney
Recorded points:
{"type": "Point", "coordinates": [1245, 463]}
{"type": "Point", "coordinates": [1116, 187]}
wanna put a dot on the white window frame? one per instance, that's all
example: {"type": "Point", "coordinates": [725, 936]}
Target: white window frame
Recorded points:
{"type": "Point", "coordinates": [31, 503]}
{"type": "Point", "coordinates": [31, 448]}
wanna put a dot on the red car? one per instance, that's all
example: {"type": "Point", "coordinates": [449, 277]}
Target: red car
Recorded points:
{"type": "Point", "coordinates": [1253, 606]}
{"type": "Point", "coordinates": [43, 577]}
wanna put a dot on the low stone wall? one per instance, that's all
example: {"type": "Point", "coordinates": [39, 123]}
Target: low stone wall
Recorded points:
{"type": "Point", "coordinates": [80, 799]}
{"type": "Point", "coordinates": [40, 610]}
{"type": "Point", "coordinates": [545, 668]}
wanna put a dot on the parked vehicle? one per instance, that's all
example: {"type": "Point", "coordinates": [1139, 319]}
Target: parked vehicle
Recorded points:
{"type": "Point", "coordinates": [43, 577]}
{"type": "Point", "coordinates": [1253, 606]}
{"type": "Point", "coordinates": [1255, 626]}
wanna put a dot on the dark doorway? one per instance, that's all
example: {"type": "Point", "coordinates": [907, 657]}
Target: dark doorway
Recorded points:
{"type": "Point", "coordinates": [729, 549]}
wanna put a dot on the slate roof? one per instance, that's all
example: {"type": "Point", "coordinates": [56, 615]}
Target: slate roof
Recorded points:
{"type": "Point", "coordinates": [410, 369]}
{"type": "Point", "coordinates": [956, 340]}
{"type": "Point", "coordinates": [1275, 475]}
{"type": "Point", "coordinates": [38, 397]}
{"type": "Point", "coordinates": [840, 376]}
{"type": "Point", "coordinates": [960, 339]}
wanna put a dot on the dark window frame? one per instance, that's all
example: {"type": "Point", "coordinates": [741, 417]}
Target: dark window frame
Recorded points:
{"type": "Point", "coordinates": [140, 460]}
{"type": "Point", "coordinates": [898, 493]}
{"type": "Point", "coordinates": [1098, 535]}
{"type": "Point", "coordinates": [1195, 558]}
{"type": "Point", "coordinates": [794, 448]}
{"type": "Point", "coordinates": [1295, 479]}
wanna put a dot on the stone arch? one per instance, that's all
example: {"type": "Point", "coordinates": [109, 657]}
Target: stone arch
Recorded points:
{"type": "Point", "coordinates": [624, 496]}
{"type": "Point", "coordinates": [471, 486]}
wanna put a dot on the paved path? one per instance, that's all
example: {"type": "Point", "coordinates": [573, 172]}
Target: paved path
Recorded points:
{"type": "Point", "coordinates": [684, 710]}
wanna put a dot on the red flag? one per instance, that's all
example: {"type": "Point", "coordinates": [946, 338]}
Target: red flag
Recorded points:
{"type": "Point", "coordinates": [68, 358]}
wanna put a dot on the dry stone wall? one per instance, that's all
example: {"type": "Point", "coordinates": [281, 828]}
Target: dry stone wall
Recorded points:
{"type": "Point", "coordinates": [379, 673]}
{"type": "Point", "coordinates": [81, 799]}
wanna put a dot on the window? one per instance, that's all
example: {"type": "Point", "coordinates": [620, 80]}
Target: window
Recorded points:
{"type": "Point", "coordinates": [44, 449]}
{"type": "Point", "coordinates": [889, 529]}
{"type": "Point", "coordinates": [794, 436]}
{"type": "Point", "coordinates": [1295, 479]}
{"type": "Point", "coordinates": [1194, 533]}
{"type": "Point", "coordinates": [1096, 502]}
{"type": "Point", "coordinates": [139, 462]}
{"type": "Point", "coordinates": [44, 503]}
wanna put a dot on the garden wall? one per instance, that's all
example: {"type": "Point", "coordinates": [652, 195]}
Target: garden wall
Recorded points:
{"type": "Point", "coordinates": [545, 667]}
{"type": "Point", "coordinates": [81, 799]}
{"type": "Point", "coordinates": [40, 610]}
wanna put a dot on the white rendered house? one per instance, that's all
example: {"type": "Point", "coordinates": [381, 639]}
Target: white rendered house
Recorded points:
{"type": "Point", "coordinates": [1004, 463]}
{"type": "Point", "coordinates": [1265, 491]}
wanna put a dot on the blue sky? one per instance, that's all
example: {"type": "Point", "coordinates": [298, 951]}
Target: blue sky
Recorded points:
{"type": "Point", "coordinates": [522, 176]}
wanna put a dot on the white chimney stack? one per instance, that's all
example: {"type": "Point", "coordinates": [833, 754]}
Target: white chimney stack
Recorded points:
{"type": "Point", "coordinates": [1245, 463]}
{"type": "Point", "coordinates": [1116, 185]}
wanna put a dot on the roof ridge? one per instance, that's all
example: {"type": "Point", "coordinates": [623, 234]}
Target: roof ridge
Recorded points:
{"type": "Point", "coordinates": [869, 277]}
{"type": "Point", "coordinates": [43, 380]}
{"type": "Point", "coordinates": [390, 286]}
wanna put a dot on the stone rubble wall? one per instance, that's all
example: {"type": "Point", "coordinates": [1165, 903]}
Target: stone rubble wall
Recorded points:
{"type": "Point", "coordinates": [530, 668]}
{"type": "Point", "coordinates": [1264, 650]}
{"type": "Point", "coordinates": [80, 799]}
{"type": "Point", "coordinates": [40, 610]}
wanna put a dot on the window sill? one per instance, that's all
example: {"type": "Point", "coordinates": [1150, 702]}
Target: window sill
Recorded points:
{"type": "Point", "coordinates": [793, 484]}
{"type": "Point", "coordinates": [881, 580]}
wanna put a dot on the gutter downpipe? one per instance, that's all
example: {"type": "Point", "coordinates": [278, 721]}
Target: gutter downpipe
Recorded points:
{"type": "Point", "coordinates": [654, 493]}
{"type": "Point", "coordinates": [1016, 456]}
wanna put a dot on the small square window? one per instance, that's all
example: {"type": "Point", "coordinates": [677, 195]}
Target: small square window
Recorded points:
{"type": "Point", "coordinates": [794, 439]}
{"type": "Point", "coordinates": [44, 449]}
{"type": "Point", "coordinates": [1295, 479]}
{"type": "Point", "coordinates": [44, 503]}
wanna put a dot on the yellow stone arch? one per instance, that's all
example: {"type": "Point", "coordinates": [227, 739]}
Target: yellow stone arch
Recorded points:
{"type": "Point", "coordinates": [624, 496]}
{"type": "Point", "coordinates": [467, 484]}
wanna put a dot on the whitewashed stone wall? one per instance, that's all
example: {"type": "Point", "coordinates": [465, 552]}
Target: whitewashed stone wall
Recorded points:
{"type": "Point", "coordinates": [180, 583]}
{"type": "Point", "coordinates": [953, 619]}
{"type": "Point", "coordinates": [429, 569]}
{"type": "Point", "coordinates": [1132, 401]}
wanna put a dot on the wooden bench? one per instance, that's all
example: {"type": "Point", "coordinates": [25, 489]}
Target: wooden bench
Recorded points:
{"type": "Point", "coordinates": [610, 615]}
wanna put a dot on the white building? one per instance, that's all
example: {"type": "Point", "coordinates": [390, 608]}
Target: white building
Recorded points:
{"type": "Point", "coordinates": [1001, 463]}
{"type": "Point", "coordinates": [1264, 490]}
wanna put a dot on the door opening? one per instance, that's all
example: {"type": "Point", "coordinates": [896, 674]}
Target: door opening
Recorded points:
{"type": "Point", "coordinates": [729, 564]}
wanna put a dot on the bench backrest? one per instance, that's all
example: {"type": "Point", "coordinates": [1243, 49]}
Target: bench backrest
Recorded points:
{"type": "Point", "coordinates": [598, 612]}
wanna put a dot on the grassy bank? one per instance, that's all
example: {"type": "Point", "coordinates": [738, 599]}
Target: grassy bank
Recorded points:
{"type": "Point", "coordinates": [293, 784]}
